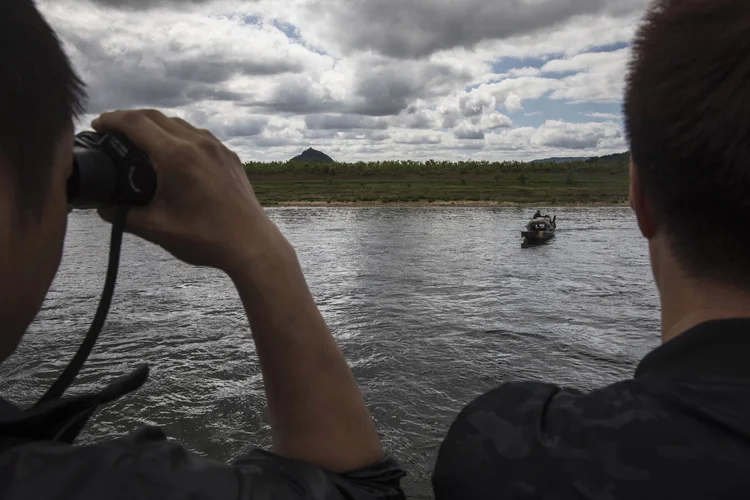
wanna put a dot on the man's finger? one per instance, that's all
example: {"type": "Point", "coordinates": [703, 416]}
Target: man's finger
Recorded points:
{"type": "Point", "coordinates": [138, 127]}
{"type": "Point", "coordinates": [138, 222]}
{"type": "Point", "coordinates": [185, 124]}
{"type": "Point", "coordinates": [168, 124]}
{"type": "Point", "coordinates": [193, 128]}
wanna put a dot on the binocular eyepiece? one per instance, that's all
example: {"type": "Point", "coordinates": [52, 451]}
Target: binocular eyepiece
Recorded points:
{"type": "Point", "coordinates": [108, 169]}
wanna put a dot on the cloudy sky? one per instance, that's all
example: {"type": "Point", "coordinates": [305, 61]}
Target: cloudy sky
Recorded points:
{"type": "Point", "coordinates": [364, 79]}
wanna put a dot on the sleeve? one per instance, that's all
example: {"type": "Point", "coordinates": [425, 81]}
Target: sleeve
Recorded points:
{"type": "Point", "coordinates": [149, 467]}
{"type": "Point", "coordinates": [499, 446]}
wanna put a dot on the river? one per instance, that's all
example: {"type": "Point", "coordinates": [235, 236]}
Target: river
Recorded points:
{"type": "Point", "coordinates": [431, 306]}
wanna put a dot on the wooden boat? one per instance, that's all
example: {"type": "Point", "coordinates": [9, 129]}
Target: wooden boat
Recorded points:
{"type": "Point", "coordinates": [539, 230]}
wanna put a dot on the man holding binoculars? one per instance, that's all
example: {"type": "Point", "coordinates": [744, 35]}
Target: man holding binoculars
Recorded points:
{"type": "Point", "coordinates": [205, 213]}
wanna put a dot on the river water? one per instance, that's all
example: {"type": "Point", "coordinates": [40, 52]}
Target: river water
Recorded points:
{"type": "Point", "coordinates": [431, 306]}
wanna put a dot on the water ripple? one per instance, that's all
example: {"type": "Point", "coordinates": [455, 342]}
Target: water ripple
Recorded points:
{"type": "Point", "coordinates": [430, 306]}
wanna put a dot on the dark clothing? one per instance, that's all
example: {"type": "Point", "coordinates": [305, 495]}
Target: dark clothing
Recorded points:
{"type": "Point", "coordinates": [37, 462]}
{"type": "Point", "coordinates": [680, 429]}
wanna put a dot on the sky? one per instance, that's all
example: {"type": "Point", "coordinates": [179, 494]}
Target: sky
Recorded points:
{"type": "Point", "coordinates": [364, 80]}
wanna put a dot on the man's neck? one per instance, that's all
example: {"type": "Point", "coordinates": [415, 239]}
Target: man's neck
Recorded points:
{"type": "Point", "coordinates": [694, 305]}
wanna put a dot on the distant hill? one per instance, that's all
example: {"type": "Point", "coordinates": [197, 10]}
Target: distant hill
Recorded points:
{"type": "Point", "coordinates": [313, 155]}
{"type": "Point", "coordinates": [614, 158]}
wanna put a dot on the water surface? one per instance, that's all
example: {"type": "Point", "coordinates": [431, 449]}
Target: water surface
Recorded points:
{"type": "Point", "coordinates": [431, 306]}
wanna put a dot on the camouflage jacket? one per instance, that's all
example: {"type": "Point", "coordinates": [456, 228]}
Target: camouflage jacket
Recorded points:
{"type": "Point", "coordinates": [680, 429]}
{"type": "Point", "coordinates": [39, 462]}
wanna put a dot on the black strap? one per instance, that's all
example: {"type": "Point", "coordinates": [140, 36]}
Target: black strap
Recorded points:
{"type": "Point", "coordinates": [67, 377]}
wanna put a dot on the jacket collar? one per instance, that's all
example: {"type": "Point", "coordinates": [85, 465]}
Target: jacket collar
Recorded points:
{"type": "Point", "coordinates": [719, 348]}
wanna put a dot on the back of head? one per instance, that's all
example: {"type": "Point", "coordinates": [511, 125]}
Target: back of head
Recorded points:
{"type": "Point", "coordinates": [687, 112]}
{"type": "Point", "coordinates": [39, 96]}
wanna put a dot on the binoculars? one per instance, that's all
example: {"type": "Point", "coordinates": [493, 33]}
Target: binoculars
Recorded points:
{"type": "Point", "coordinates": [108, 170]}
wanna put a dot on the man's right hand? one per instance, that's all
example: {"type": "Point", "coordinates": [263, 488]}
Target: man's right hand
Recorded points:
{"type": "Point", "coordinates": [204, 211]}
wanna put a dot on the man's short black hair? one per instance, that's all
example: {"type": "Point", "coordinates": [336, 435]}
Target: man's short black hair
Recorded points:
{"type": "Point", "coordinates": [687, 114]}
{"type": "Point", "coordinates": [40, 95]}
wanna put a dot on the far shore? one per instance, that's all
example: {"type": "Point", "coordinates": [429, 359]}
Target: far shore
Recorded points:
{"type": "Point", "coordinates": [440, 204]}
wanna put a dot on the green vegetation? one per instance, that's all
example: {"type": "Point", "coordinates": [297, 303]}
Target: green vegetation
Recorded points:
{"type": "Point", "coordinates": [592, 181]}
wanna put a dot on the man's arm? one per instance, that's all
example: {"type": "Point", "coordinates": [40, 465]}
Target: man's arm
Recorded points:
{"type": "Point", "coordinates": [317, 412]}
{"type": "Point", "coordinates": [205, 213]}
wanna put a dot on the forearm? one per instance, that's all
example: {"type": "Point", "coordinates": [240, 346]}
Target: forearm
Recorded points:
{"type": "Point", "coordinates": [317, 411]}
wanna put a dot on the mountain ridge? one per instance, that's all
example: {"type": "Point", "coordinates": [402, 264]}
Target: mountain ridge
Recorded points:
{"type": "Point", "coordinates": [313, 155]}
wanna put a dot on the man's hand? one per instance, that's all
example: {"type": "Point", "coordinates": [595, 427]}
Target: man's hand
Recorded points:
{"type": "Point", "coordinates": [204, 211]}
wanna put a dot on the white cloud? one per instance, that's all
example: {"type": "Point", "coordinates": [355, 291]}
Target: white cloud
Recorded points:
{"type": "Point", "coordinates": [343, 81]}
{"type": "Point", "coordinates": [468, 131]}
{"type": "Point", "coordinates": [513, 103]}
{"type": "Point", "coordinates": [419, 28]}
{"type": "Point", "coordinates": [415, 138]}
{"type": "Point", "coordinates": [495, 120]}
{"type": "Point", "coordinates": [604, 116]}
{"type": "Point", "coordinates": [564, 135]}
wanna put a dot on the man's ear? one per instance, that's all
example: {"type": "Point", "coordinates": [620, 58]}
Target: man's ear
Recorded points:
{"type": "Point", "coordinates": [640, 205]}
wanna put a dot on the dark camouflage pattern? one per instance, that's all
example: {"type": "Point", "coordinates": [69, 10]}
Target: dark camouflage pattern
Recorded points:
{"type": "Point", "coordinates": [39, 462]}
{"type": "Point", "coordinates": [679, 430]}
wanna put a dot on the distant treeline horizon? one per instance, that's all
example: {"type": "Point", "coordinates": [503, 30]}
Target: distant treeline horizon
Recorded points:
{"type": "Point", "coordinates": [611, 163]}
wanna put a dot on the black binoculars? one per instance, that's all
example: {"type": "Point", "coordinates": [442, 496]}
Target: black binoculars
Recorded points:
{"type": "Point", "coordinates": [108, 170]}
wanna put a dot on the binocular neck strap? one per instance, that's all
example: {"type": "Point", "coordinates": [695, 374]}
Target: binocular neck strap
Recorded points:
{"type": "Point", "coordinates": [67, 377]}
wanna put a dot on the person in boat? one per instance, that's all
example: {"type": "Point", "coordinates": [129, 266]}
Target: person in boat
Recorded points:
{"type": "Point", "coordinates": [538, 215]}
{"type": "Point", "coordinates": [679, 428]}
{"type": "Point", "coordinates": [325, 443]}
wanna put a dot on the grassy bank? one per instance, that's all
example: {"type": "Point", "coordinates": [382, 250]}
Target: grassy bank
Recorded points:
{"type": "Point", "coordinates": [421, 183]}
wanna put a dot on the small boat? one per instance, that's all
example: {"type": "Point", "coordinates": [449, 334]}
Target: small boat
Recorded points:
{"type": "Point", "coordinates": [539, 230]}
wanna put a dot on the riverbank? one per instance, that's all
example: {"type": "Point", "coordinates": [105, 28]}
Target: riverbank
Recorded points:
{"type": "Point", "coordinates": [471, 184]}
{"type": "Point", "coordinates": [438, 204]}
{"type": "Point", "coordinates": [532, 189]}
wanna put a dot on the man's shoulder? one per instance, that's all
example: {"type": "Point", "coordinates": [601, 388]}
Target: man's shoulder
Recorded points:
{"type": "Point", "coordinates": [142, 465]}
{"type": "Point", "coordinates": [515, 414]}
{"type": "Point", "coordinates": [526, 436]}
{"type": "Point", "coordinates": [525, 403]}
{"type": "Point", "coordinates": [628, 440]}
{"type": "Point", "coordinates": [145, 465]}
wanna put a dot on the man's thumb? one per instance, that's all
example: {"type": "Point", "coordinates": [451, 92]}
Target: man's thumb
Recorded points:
{"type": "Point", "coordinates": [136, 221]}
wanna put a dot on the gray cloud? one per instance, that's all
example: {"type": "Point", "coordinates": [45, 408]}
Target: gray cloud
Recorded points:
{"type": "Point", "coordinates": [417, 139]}
{"type": "Point", "coordinates": [297, 97]}
{"type": "Point", "coordinates": [130, 90]}
{"type": "Point", "coordinates": [572, 142]}
{"type": "Point", "coordinates": [380, 88]}
{"type": "Point", "coordinates": [165, 78]}
{"type": "Point", "coordinates": [389, 87]}
{"type": "Point", "coordinates": [272, 142]}
{"type": "Point", "coordinates": [468, 133]}
{"type": "Point", "coordinates": [219, 67]}
{"type": "Point", "coordinates": [340, 102]}
{"type": "Point", "coordinates": [331, 135]}
{"type": "Point", "coordinates": [244, 128]}
{"type": "Point", "coordinates": [227, 129]}
{"type": "Point", "coordinates": [470, 146]}
{"type": "Point", "coordinates": [450, 119]}
{"type": "Point", "coordinates": [146, 4]}
{"type": "Point", "coordinates": [418, 120]}
{"type": "Point", "coordinates": [418, 28]}
{"type": "Point", "coordinates": [343, 122]}
{"type": "Point", "coordinates": [564, 135]}
{"type": "Point", "coordinates": [475, 104]}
